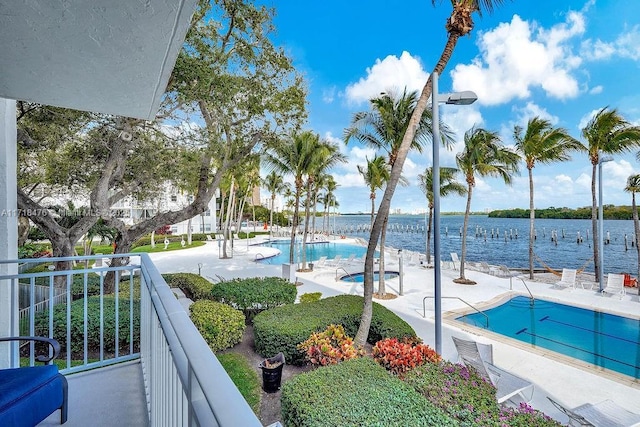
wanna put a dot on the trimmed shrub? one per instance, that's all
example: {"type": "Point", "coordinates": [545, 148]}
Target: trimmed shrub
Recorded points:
{"type": "Point", "coordinates": [283, 328]}
{"type": "Point", "coordinates": [465, 396]}
{"type": "Point", "coordinates": [220, 325]}
{"type": "Point", "coordinates": [310, 297]}
{"type": "Point", "coordinates": [357, 392]}
{"type": "Point", "coordinates": [255, 294]}
{"type": "Point", "coordinates": [194, 287]}
{"type": "Point", "coordinates": [93, 324]}
{"type": "Point", "coordinates": [329, 347]}
{"type": "Point", "coordinates": [399, 357]}
{"type": "Point", "coordinates": [159, 238]}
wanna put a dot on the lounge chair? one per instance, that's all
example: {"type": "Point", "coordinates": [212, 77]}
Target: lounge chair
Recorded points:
{"type": "Point", "coordinates": [455, 259]}
{"type": "Point", "coordinates": [568, 279]}
{"type": "Point", "coordinates": [606, 413]}
{"type": "Point", "coordinates": [615, 285]}
{"type": "Point", "coordinates": [630, 282]}
{"type": "Point", "coordinates": [480, 357]}
{"type": "Point", "coordinates": [320, 262]}
{"type": "Point", "coordinates": [349, 260]}
{"type": "Point", "coordinates": [334, 262]}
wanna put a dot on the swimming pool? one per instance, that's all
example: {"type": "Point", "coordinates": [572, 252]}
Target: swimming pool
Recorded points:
{"type": "Point", "coordinates": [314, 251]}
{"type": "Point", "coordinates": [359, 277]}
{"type": "Point", "coordinates": [605, 340]}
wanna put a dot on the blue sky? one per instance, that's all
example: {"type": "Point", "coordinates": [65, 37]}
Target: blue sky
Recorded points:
{"type": "Point", "coordinates": [559, 60]}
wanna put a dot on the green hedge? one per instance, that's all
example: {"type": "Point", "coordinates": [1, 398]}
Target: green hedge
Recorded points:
{"type": "Point", "coordinates": [93, 324]}
{"type": "Point", "coordinates": [357, 392]}
{"type": "Point", "coordinates": [159, 238]}
{"type": "Point", "coordinates": [220, 325]}
{"type": "Point", "coordinates": [310, 297]}
{"type": "Point", "coordinates": [283, 328]}
{"type": "Point", "coordinates": [194, 287]}
{"type": "Point", "coordinates": [255, 294]}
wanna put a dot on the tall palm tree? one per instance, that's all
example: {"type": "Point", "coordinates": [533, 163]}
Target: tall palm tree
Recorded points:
{"type": "Point", "coordinates": [606, 133]}
{"type": "Point", "coordinates": [328, 199]}
{"type": "Point", "coordinates": [458, 24]}
{"type": "Point", "coordinates": [375, 175]}
{"type": "Point", "coordinates": [448, 185]}
{"type": "Point", "coordinates": [541, 142]}
{"type": "Point", "coordinates": [383, 128]}
{"type": "Point", "coordinates": [274, 183]}
{"type": "Point", "coordinates": [483, 155]}
{"type": "Point", "coordinates": [633, 187]}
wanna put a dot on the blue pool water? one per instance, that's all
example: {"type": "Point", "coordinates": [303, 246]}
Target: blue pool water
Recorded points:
{"type": "Point", "coordinates": [602, 339]}
{"type": "Point", "coordinates": [314, 251]}
{"type": "Point", "coordinates": [359, 277]}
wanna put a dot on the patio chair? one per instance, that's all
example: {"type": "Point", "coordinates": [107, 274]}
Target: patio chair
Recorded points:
{"type": "Point", "coordinates": [479, 357]}
{"type": "Point", "coordinates": [630, 282]}
{"type": "Point", "coordinates": [568, 279]}
{"type": "Point", "coordinates": [606, 413]}
{"type": "Point", "coordinates": [320, 262]}
{"type": "Point", "coordinates": [334, 262]}
{"type": "Point", "coordinates": [615, 285]}
{"type": "Point", "coordinates": [29, 395]}
{"type": "Point", "coordinates": [455, 259]}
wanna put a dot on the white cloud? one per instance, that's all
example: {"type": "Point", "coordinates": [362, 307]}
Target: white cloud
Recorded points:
{"type": "Point", "coordinates": [390, 74]}
{"type": "Point", "coordinates": [596, 90]}
{"type": "Point", "coordinates": [329, 94]}
{"type": "Point", "coordinates": [530, 110]}
{"type": "Point", "coordinates": [518, 56]}
{"type": "Point", "coordinates": [626, 45]}
{"type": "Point", "coordinates": [584, 120]}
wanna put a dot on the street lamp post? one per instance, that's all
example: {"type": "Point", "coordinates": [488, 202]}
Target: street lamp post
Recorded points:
{"type": "Point", "coordinates": [602, 159]}
{"type": "Point", "coordinates": [457, 98]}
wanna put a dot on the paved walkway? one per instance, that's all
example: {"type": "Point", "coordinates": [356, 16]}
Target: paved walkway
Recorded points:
{"type": "Point", "coordinates": [569, 381]}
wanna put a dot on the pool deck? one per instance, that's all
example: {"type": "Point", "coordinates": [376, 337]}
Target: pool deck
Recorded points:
{"type": "Point", "coordinates": [567, 380]}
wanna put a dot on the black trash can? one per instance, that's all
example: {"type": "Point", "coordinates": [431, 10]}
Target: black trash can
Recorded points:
{"type": "Point", "coordinates": [272, 373]}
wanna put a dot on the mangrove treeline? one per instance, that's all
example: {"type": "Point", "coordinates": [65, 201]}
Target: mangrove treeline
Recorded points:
{"type": "Point", "coordinates": [609, 212]}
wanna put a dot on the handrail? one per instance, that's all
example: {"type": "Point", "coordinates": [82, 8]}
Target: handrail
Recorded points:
{"type": "Point", "coordinates": [343, 269]}
{"type": "Point", "coordinates": [256, 257]}
{"type": "Point", "coordinates": [424, 306]}
{"type": "Point", "coordinates": [531, 298]}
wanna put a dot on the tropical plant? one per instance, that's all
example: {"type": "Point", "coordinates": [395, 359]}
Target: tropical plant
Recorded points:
{"type": "Point", "coordinates": [606, 133]}
{"type": "Point", "coordinates": [329, 347]}
{"type": "Point", "coordinates": [458, 24]}
{"type": "Point", "coordinates": [383, 128]}
{"type": "Point", "coordinates": [448, 185]}
{"type": "Point", "coordinates": [540, 142]}
{"type": "Point", "coordinates": [633, 187]}
{"type": "Point", "coordinates": [375, 175]}
{"type": "Point", "coordinates": [399, 357]}
{"type": "Point", "coordinates": [274, 183]}
{"type": "Point", "coordinates": [328, 199]}
{"type": "Point", "coordinates": [483, 155]}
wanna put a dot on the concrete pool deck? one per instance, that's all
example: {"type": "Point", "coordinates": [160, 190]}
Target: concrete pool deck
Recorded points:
{"type": "Point", "coordinates": [567, 380]}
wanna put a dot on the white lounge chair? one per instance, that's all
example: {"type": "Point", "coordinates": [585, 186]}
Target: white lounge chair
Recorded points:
{"type": "Point", "coordinates": [320, 262]}
{"type": "Point", "coordinates": [615, 285]}
{"type": "Point", "coordinates": [480, 357]}
{"type": "Point", "coordinates": [455, 259]}
{"type": "Point", "coordinates": [606, 413]}
{"type": "Point", "coordinates": [349, 260]}
{"type": "Point", "coordinates": [568, 279]}
{"type": "Point", "coordinates": [334, 262]}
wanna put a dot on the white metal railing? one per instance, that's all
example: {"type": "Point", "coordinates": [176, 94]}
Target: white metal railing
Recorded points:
{"type": "Point", "coordinates": [185, 383]}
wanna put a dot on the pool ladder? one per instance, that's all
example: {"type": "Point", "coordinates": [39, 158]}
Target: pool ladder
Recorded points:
{"type": "Point", "coordinates": [424, 307]}
{"type": "Point", "coordinates": [343, 269]}
{"type": "Point", "coordinates": [532, 300]}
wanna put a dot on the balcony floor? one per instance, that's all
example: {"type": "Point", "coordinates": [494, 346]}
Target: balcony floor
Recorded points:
{"type": "Point", "coordinates": [111, 396]}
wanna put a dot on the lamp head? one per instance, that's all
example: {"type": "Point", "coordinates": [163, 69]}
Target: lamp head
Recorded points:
{"type": "Point", "coordinates": [462, 98]}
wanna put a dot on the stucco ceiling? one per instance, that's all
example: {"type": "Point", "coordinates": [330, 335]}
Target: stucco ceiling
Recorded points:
{"type": "Point", "coordinates": [108, 56]}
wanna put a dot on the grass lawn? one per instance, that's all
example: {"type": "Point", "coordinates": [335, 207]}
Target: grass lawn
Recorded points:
{"type": "Point", "coordinates": [60, 363]}
{"type": "Point", "coordinates": [173, 246]}
{"type": "Point", "coordinates": [243, 376]}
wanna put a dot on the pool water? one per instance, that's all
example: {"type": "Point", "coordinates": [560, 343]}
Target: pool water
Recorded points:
{"type": "Point", "coordinates": [604, 340]}
{"type": "Point", "coordinates": [314, 251]}
{"type": "Point", "coordinates": [359, 277]}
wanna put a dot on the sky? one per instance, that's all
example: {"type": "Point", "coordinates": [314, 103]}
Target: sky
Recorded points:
{"type": "Point", "coordinates": [562, 61]}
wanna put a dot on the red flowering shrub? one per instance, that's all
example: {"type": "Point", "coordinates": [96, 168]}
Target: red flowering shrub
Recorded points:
{"type": "Point", "coordinates": [329, 347]}
{"type": "Point", "coordinates": [401, 356]}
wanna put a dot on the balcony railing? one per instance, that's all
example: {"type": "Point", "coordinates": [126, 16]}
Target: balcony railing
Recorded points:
{"type": "Point", "coordinates": [141, 319]}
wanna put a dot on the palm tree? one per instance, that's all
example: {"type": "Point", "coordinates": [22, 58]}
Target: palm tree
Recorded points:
{"type": "Point", "coordinates": [457, 25]}
{"type": "Point", "coordinates": [383, 128]}
{"type": "Point", "coordinates": [542, 143]}
{"type": "Point", "coordinates": [274, 183]}
{"type": "Point", "coordinates": [633, 187]}
{"type": "Point", "coordinates": [448, 185]}
{"type": "Point", "coordinates": [606, 133]}
{"type": "Point", "coordinates": [328, 199]}
{"type": "Point", "coordinates": [375, 175]}
{"type": "Point", "coordinates": [484, 155]}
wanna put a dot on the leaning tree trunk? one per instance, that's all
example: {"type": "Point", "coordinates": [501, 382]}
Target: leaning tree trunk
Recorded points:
{"type": "Point", "coordinates": [464, 235]}
{"type": "Point", "coordinates": [294, 224]}
{"type": "Point", "coordinates": [225, 231]}
{"type": "Point", "coordinates": [429, 225]}
{"type": "Point", "coordinates": [394, 178]}
{"type": "Point", "coordinates": [594, 224]}
{"type": "Point", "coordinates": [383, 237]}
{"type": "Point", "coordinates": [273, 199]}
{"type": "Point", "coordinates": [307, 204]}
{"type": "Point", "coordinates": [532, 217]}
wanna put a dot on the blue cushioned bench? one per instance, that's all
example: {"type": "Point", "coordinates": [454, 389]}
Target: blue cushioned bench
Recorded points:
{"type": "Point", "coordinates": [29, 395]}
